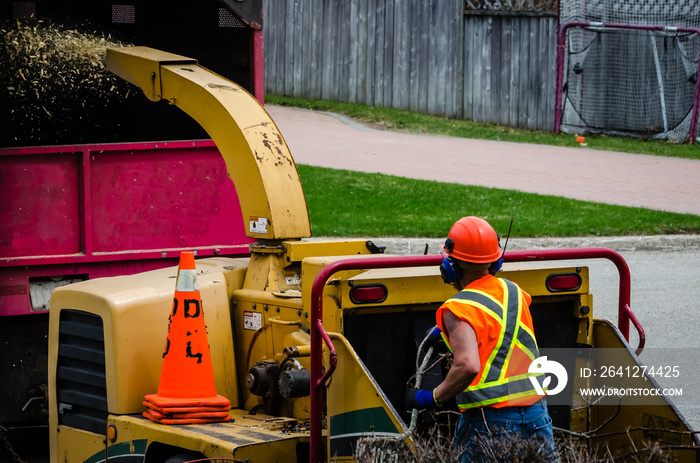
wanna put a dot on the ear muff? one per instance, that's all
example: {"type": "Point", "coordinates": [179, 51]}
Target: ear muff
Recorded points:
{"type": "Point", "coordinates": [450, 271]}
{"type": "Point", "coordinates": [496, 266]}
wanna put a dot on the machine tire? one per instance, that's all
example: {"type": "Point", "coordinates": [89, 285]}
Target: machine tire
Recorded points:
{"type": "Point", "coordinates": [183, 458]}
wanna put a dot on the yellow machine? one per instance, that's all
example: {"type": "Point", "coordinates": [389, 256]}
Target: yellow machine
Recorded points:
{"type": "Point", "coordinates": [313, 342]}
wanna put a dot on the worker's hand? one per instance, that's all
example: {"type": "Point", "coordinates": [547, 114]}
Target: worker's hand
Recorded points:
{"type": "Point", "coordinates": [419, 399]}
{"type": "Point", "coordinates": [434, 337]}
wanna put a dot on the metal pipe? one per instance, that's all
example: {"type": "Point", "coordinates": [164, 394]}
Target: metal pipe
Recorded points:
{"type": "Point", "coordinates": [623, 320]}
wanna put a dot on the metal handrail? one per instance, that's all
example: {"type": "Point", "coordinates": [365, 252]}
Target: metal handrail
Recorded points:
{"type": "Point", "coordinates": [318, 332]}
{"type": "Point", "coordinates": [624, 314]}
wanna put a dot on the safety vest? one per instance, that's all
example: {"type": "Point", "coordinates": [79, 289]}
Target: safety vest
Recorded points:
{"type": "Point", "coordinates": [497, 310]}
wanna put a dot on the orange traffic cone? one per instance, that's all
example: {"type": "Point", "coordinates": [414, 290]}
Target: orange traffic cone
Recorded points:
{"type": "Point", "coordinates": [186, 390]}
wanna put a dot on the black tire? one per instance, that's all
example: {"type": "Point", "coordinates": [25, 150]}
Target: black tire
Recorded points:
{"type": "Point", "coordinates": [183, 458]}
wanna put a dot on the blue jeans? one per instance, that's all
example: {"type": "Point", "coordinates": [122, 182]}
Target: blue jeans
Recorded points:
{"type": "Point", "coordinates": [496, 438]}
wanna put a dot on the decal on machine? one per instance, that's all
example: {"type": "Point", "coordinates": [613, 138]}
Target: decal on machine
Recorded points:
{"type": "Point", "coordinates": [258, 225]}
{"type": "Point", "coordinates": [252, 321]}
{"type": "Point", "coordinates": [124, 452]}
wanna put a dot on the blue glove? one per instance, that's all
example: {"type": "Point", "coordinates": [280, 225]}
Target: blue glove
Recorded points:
{"type": "Point", "coordinates": [419, 399]}
{"type": "Point", "coordinates": [434, 337]}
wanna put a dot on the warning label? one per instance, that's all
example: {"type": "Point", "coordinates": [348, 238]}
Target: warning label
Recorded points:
{"type": "Point", "coordinates": [252, 321]}
{"type": "Point", "coordinates": [258, 225]}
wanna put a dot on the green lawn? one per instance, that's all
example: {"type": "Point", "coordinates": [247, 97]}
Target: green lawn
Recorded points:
{"type": "Point", "coordinates": [347, 203]}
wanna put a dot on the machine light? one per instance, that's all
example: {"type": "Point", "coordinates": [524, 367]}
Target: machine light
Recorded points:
{"type": "Point", "coordinates": [366, 294]}
{"type": "Point", "coordinates": [558, 282]}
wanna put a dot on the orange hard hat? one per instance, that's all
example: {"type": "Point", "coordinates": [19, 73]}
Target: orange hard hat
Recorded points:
{"type": "Point", "coordinates": [472, 239]}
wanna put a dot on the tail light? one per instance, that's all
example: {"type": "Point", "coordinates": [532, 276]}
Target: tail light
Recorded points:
{"type": "Point", "coordinates": [368, 294]}
{"type": "Point", "coordinates": [559, 282]}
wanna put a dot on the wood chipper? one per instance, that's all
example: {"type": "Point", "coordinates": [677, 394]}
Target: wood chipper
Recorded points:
{"type": "Point", "coordinates": [312, 341]}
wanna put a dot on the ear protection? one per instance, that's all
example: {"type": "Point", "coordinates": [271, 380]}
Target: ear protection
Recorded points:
{"type": "Point", "coordinates": [496, 266]}
{"type": "Point", "coordinates": [450, 271]}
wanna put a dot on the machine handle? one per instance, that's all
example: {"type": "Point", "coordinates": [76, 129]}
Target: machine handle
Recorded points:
{"type": "Point", "coordinates": [333, 356]}
{"type": "Point", "coordinates": [640, 331]}
{"type": "Point", "coordinates": [624, 314]}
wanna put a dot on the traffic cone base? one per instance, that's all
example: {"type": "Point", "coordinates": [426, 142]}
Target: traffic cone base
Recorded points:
{"type": "Point", "coordinates": [164, 419]}
{"type": "Point", "coordinates": [165, 402]}
{"type": "Point", "coordinates": [171, 410]}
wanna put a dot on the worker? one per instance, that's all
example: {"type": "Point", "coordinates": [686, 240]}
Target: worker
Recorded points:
{"type": "Point", "coordinates": [488, 327]}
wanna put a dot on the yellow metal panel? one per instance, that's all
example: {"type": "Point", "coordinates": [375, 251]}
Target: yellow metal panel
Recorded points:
{"type": "Point", "coordinates": [296, 251]}
{"type": "Point", "coordinates": [257, 157]}
{"type": "Point", "coordinates": [630, 426]}
{"type": "Point", "coordinates": [355, 404]}
{"type": "Point", "coordinates": [532, 278]}
{"type": "Point", "coordinates": [75, 445]}
{"type": "Point", "coordinates": [423, 285]}
{"type": "Point", "coordinates": [135, 310]}
{"type": "Point", "coordinates": [141, 67]}
{"type": "Point", "coordinates": [258, 437]}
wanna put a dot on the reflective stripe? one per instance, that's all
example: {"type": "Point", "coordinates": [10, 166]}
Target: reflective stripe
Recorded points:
{"type": "Point", "coordinates": [512, 309]}
{"type": "Point", "coordinates": [526, 340]}
{"type": "Point", "coordinates": [479, 298]}
{"type": "Point", "coordinates": [187, 280]}
{"type": "Point", "coordinates": [494, 386]}
{"type": "Point", "coordinates": [509, 389]}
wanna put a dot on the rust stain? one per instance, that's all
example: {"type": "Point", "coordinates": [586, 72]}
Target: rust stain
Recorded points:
{"type": "Point", "coordinates": [262, 124]}
{"type": "Point", "coordinates": [223, 87]}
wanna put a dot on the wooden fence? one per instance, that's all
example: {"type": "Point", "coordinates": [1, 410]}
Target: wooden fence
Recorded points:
{"type": "Point", "coordinates": [423, 55]}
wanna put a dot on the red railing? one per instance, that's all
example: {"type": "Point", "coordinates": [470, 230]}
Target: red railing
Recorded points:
{"type": "Point", "coordinates": [318, 332]}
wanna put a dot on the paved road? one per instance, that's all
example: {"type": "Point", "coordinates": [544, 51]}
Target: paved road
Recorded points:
{"type": "Point", "coordinates": [326, 140]}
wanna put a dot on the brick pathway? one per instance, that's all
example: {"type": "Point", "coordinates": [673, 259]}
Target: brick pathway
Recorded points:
{"type": "Point", "coordinates": [652, 182]}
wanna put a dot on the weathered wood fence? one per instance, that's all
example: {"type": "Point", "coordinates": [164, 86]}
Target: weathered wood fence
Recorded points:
{"type": "Point", "coordinates": [423, 55]}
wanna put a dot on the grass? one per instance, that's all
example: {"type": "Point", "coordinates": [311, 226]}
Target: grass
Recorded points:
{"type": "Point", "coordinates": [406, 121]}
{"type": "Point", "coordinates": [347, 203]}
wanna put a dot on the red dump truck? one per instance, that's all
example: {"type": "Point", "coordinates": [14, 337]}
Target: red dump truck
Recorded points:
{"type": "Point", "coordinates": [72, 213]}
{"type": "Point", "coordinates": [87, 192]}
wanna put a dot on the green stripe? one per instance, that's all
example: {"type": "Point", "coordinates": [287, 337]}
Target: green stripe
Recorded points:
{"type": "Point", "coordinates": [365, 420]}
{"type": "Point", "coordinates": [121, 450]}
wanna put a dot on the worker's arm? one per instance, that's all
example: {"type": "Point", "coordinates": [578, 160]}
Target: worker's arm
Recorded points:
{"type": "Point", "coordinates": [466, 364]}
